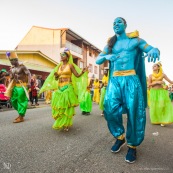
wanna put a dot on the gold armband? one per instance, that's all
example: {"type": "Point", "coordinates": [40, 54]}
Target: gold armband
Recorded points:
{"type": "Point", "coordinates": [104, 52]}
{"type": "Point", "coordinates": [146, 46]}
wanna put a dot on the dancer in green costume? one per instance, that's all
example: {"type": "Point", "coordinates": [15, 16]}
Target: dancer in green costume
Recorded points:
{"type": "Point", "coordinates": [69, 83]}
{"type": "Point", "coordinates": [20, 80]}
{"type": "Point", "coordinates": [161, 109]}
{"type": "Point", "coordinates": [86, 105]}
{"type": "Point", "coordinates": [171, 93]}
{"type": "Point", "coordinates": [103, 91]}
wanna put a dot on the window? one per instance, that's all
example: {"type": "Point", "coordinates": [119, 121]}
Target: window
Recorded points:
{"type": "Point", "coordinates": [95, 69]}
{"type": "Point", "coordinates": [90, 68]}
{"type": "Point", "coordinates": [81, 64]}
{"type": "Point", "coordinates": [101, 72]}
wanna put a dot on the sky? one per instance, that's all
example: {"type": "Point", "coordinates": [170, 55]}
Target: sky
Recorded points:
{"type": "Point", "coordinates": [92, 20]}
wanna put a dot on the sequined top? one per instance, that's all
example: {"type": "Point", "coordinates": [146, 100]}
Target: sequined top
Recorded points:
{"type": "Point", "coordinates": [65, 73]}
{"type": "Point", "coordinates": [64, 76]}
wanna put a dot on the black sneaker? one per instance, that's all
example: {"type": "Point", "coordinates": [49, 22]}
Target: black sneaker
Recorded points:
{"type": "Point", "coordinates": [83, 112]}
{"type": "Point", "coordinates": [117, 146]}
{"type": "Point", "coordinates": [87, 113]}
{"type": "Point", "coordinates": [131, 155]}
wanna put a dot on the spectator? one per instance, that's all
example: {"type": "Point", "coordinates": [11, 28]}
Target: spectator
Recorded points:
{"type": "Point", "coordinates": [34, 89]}
{"type": "Point", "coordinates": [4, 77]}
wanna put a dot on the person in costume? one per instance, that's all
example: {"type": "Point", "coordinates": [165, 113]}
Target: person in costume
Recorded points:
{"type": "Point", "coordinates": [86, 105]}
{"type": "Point", "coordinates": [96, 95]}
{"type": "Point", "coordinates": [69, 84]}
{"type": "Point", "coordinates": [4, 77]}
{"type": "Point", "coordinates": [103, 90]}
{"type": "Point", "coordinates": [161, 108]}
{"type": "Point", "coordinates": [171, 93]}
{"type": "Point", "coordinates": [48, 98]}
{"type": "Point", "coordinates": [148, 94]}
{"type": "Point", "coordinates": [92, 88]}
{"type": "Point", "coordinates": [20, 80]}
{"type": "Point", "coordinates": [127, 88]}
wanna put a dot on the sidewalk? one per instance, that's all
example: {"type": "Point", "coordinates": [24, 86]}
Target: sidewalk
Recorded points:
{"type": "Point", "coordinates": [41, 103]}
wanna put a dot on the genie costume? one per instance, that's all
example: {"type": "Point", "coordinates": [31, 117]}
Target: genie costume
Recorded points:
{"type": "Point", "coordinates": [125, 95]}
{"type": "Point", "coordinates": [126, 90]}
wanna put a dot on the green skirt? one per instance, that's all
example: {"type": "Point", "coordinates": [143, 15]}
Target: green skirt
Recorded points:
{"type": "Point", "coordinates": [63, 102]}
{"type": "Point", "coordinates": [103, 92]}
{"type": "Point", "coordinates": [161, 108]}
{"type": "Point", "coordinates": [86, 105]}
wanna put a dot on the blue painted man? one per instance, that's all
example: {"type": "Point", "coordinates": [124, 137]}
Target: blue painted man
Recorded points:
{"type": "Point", "coordinates": [126, 90]}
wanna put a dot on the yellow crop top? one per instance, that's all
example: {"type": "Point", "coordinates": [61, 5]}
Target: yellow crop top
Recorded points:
{"type": "Point", "coordinates": [160, 78]}
{"type": "Point", "coordinates": [65, 73]}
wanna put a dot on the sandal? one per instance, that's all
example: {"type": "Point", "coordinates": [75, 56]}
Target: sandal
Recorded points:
{"type": "Point", "coordinates": [66, 129]}
{"type": "Point", "coordinates": [18, 120]}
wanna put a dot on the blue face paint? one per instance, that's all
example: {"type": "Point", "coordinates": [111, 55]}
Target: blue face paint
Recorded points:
{"type": "Point", "coordinates": [119, 26]}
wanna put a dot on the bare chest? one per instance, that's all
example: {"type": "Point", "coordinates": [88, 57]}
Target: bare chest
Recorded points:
{"type": "Point", "coordinates": [128, 45]}
{"type": "Point", "coordinates": [17, 70]}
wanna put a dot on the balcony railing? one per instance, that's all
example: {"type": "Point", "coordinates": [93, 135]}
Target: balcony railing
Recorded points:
{"type": "Point", "coordinates": [73, 47]}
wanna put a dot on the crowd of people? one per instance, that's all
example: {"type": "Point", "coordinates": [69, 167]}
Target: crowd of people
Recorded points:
{"type": "Point", "coordinates": [123, 89]}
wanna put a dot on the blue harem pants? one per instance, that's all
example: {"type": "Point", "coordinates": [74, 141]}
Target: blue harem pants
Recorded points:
{"type": "Point", "coordinates": [124, 95]}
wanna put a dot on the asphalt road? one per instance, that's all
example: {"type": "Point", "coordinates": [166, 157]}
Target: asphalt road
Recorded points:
{"type": "Point", "coordinates": [34, 147]}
